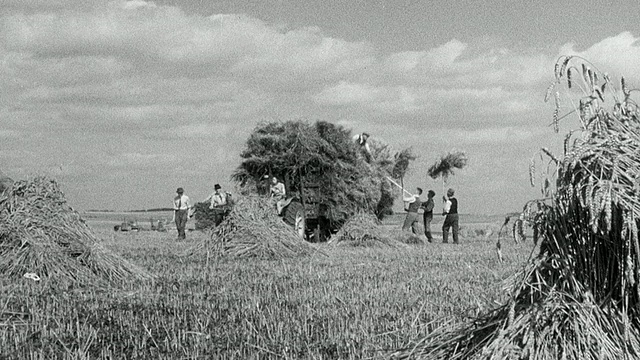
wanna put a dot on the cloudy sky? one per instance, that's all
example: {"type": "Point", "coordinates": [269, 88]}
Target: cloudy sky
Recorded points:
{"type": "Point", "coordinates": [124, 101]}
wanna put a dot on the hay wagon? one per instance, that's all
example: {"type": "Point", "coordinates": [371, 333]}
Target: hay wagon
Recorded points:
{"type": "Point", "coordinates": [310, 215]}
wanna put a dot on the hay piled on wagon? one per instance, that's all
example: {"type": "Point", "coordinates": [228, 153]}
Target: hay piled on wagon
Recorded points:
{"type": "Point", "coordinates": [322, 155]}
{"type": "Point", "coordinates": [40, 234]}
{"type": "Point", "coordinates": [254, 230]}
{"type": "Point", "coordinates": [365, 230]}
{"type": "Point", "coordinates": [579, 297]}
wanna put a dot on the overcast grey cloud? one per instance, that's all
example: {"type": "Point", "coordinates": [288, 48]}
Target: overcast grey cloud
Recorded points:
{"type": "Point", "coordinates": [148, 96]}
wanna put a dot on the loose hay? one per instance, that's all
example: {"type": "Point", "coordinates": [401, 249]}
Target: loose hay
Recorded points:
{"type": "Point", "coordinates": [409, 238]}
{"type": "Point", "coordinates": [364, 230]}
{"type": "Point", "coordinates": [254, 230]}
{"type": "Point", "coordinates": [41, 234]}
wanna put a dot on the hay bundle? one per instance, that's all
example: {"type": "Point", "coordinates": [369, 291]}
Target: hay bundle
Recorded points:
{"type": "Point", "coordinates": [41, 234]}
{"type": "Point", "coordinates": [364, 230]}
{"type": "Point", "coordinates": [446, 164]}
{"type": "Point", "coordinates": [579, 297]}
{"type": "Point", "coordinates": [254, 230]}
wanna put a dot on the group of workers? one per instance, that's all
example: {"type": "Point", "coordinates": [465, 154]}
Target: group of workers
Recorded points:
{"type": "Point", "coordinates": [416, 203]}
{"type": "Point", "coordinates": [277, 192]}
{"type": "Point", "coordinates": [183, 209]}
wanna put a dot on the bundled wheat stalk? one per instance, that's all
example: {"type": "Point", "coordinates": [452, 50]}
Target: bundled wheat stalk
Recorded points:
{"type": "Point", "coordinates": [41, 234]}
{"type": "Point", "coordinates": [365, 230]}
{"type": "Point", "coordinates": [253, 229]}
{"type": "Point", "coordinates": [579, 297]}
{"type": "Point", "coordinates": [446, 165]}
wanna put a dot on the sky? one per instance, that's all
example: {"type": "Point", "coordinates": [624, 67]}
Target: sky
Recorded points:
{"type": "Point", "coordinates": [124, 101]}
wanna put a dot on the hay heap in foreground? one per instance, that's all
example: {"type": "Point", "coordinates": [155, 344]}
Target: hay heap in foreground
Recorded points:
{"type": "Point", "coordinates": [41, 234]}
{"type": "Point", "coordinates": [579, 298]}
{"type": "Point", "coordinates": [254, 230]}
{"type": "Point", "coordinates": [364, 230]}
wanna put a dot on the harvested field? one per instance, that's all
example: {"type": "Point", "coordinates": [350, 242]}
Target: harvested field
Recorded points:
{"type": "Point", "coordinates": [354, 303]}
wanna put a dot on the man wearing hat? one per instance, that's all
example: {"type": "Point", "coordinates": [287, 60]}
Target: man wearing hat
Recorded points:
{"type": "Point", "coordinates": [218, 198]}
{"type": "Point", "coordinates": [450, 212]}
{"type": "Point", "coordinates": [218, 201]}
{"type": "Point", "coordinates": [181, 207]}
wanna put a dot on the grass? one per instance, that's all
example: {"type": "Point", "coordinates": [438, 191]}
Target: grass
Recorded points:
{"type": "Point", "coordinates": [355, 303]}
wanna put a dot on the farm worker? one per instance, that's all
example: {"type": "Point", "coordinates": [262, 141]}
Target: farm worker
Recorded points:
{"type": "Point", "coordinates": [411, 221]}
{"type": "Point", "coordinates": [218, 198]}
{"type": "Point", "coordinates": [278, 194]}
{"type": "Point", "coordinates": [427, 216]}
{"type": "Point", "coordinates": [451, 220]}
{"type": "Point", "coordinates": [218, 201]}
{"type": "Point", "coordinates": [361, 139]}
{"type": "Point", "coordinates": [181, 207]}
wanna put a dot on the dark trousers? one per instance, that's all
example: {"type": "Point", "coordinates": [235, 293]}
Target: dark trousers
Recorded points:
{"type": "Point", "coordinates": [181, 222]}
{"type": "Point", "coordinates": [426, 220]}
{"type": "Point", "coordinates": [451, 221]}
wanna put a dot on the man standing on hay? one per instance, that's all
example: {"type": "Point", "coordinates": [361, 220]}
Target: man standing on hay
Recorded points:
{"type": "Point", "coordinates": [361, 140]}
{"type": "Point", "coordinates": [450, 212]}
{"type": "Point", "coordinates": [181, 207]}
{"type": "Point", "coordinates": [413, 204]}
{"type": "Point", "coordinates": [427, 216]}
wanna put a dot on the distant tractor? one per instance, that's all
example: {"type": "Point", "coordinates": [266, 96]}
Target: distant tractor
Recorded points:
{"type": "Point", "coordinates": [127, 225]}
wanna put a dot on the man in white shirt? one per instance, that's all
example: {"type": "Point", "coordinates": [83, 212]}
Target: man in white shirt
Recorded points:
{"type": "Point", "coordinates": [181, 207]}
{"type": "Point", "coordinates": [411, 221]}
{"type": "Point", "coordinates": [218, 201]}
{"type": "Point", "coordinates": [218, 198]}
{"type": "Point", "coordinates": [361, 139]}
{"type": "Point", "coordinates": [451, 220]}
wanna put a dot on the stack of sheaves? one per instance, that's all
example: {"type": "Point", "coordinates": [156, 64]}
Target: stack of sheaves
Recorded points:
{"type": "Point", "coordinates": [40, 234]}
{"type": "Point", "coordinates": [364, 230]}
{"type": "Point", "coordinates": [253, 229]}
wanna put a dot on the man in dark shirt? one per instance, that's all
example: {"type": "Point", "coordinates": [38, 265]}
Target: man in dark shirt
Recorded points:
{"type": "Point", "coordinates": [451, 220]}
{"type": "Point", "coordinates": [427, 216]}
{"type": "Point", "coordinates": [411, 221]}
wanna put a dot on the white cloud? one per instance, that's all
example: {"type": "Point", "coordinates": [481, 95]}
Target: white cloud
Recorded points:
{"type": "Point", "coordinates": [136, 4]}
{"type": "Point", "coordinates": [431, 99]}
{"type": "Point", "coordinates": [615, 55]}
